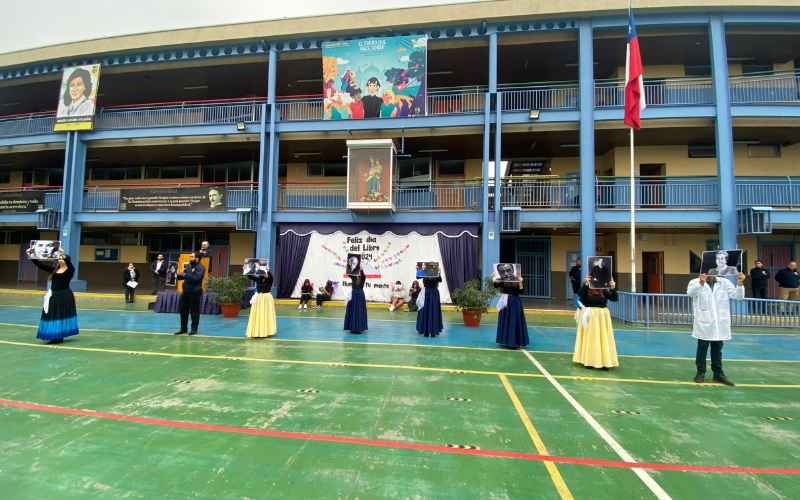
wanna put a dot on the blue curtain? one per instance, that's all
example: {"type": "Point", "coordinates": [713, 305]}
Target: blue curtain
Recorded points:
{"type": "Point", "coordinates": [291, 255]}
{"type": "Point", "coordinates": [459, 259]}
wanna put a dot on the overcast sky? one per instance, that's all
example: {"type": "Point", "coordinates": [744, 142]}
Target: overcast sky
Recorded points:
{"type": "Point", "coordinates": [27, 24]}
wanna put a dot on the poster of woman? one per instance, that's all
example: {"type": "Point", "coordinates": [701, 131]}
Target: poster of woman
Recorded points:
{"type": "Point", "coordinates": [77, 98]}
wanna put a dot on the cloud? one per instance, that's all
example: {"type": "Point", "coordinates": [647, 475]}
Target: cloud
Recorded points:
{"type": "Point", "coordinates": [404, 59]}
{"type": "Point", "coordinates": [420, 42]}
{"type": "Point", "coordinates": [339, 60]}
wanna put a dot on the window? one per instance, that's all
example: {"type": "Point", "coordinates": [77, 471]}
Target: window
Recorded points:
{"type": "Point", "coordinates": [452, 167]}
{"type": "Point", "coordinates": [772, 151]}
{"type": "Point", "coordinates": [17, 237]}
{"type": "Point", "coordinates": [414, 167]}
{"type": "Point", "coordinates": [236, 172]}
{"type": "Point", "coordinates": [3, 237]}
{"type": "Point", "coordinates": [697, 70]}
{"type": "Point", "coordinates": [123, 239]}
{"type": "Point", "coordinates": [171, 172]}
{"type": "Point", "coordinates": [326, 170]}
{"type": "Point", "coordinates": [43, 177]}
{"type": "Point", "coordinates": [116, 173]}
{"type": "Point", "coordinates": [5, 177]}
{"type": "Point", "coordinates": [282, 169]}
{"type": "Point", "coordinates": [712, 245]}
{"type": "Point", "coordinates": [695, 262]}
{"type": "Point", "coordinates": [756, 68]}
{"type": "Point", "coordinates": [218, 238]}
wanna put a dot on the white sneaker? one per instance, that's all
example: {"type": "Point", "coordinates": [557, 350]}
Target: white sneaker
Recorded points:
{"type": "Point", "coordinates": [300, 306]}
{"type": "Point", "coordinates": [391, 308]}
{"type": "Point", "coordinates": [305, 306]}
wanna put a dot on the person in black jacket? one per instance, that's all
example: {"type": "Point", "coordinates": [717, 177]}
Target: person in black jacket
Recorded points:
{"type": "Point", "coordinates": [788, 281]}
{"type": "Point", "coordinates": [575, 276]}
{"type": "Point", "coordinates": [192, 292]}
{"type": "Point", "coordinates": [130, 274]}
{"type": "Point", "coordinates": [158, 270]}
{"type": "Point", "coordinates": [758, 283]}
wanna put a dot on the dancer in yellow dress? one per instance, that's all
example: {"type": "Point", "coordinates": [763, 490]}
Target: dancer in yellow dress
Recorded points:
{"type": "Point", "coordinates": [594, 345]}
{"type": "Point", "coordinates": [262, 322]}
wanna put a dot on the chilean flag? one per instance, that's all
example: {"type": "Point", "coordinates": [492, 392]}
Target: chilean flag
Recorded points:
{"type": "Point", "coordinates": [634, 85]}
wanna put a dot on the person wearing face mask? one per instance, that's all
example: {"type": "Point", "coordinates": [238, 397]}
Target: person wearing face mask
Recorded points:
{"type": "Point", "coordinates": [130, 275]}
{"type": "Point", "coordinates": [59, 314]}
{"type": "Point", "coordinates": [159, 274]}
{"type": "Point", "coordinates": [189, 302]}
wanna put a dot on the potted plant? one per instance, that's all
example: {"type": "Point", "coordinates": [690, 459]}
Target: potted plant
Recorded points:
{"type": "Point", "coordinates": [228, 292]}
{"type": "Point", "coordinates": [474, 302]}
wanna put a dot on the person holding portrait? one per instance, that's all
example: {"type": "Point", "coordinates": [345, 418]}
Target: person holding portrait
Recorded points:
{"type": "Point", "coordinates": [59, 318]}
{"type": "Point", "coordinates": [355, 316]}
{"type": "Point", "coordinates": [594, 342]}
{"type": "Point", "coordinates": [262, 322]}
{"type": "Point", "coordinates": [512, 329]}
{"type": "Point", "coordinates": [429, 313]}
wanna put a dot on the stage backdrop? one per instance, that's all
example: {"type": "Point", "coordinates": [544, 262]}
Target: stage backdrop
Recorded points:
{"type": "Point", "coordinates": [319, 253]}
{"type": "Point", "coordinates": [374, 77]}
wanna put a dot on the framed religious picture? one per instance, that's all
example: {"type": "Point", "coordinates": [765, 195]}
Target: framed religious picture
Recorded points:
{"type": "Point", "coordinates": [600, 272]}
{"type": "Point", "coordinates": [722, 262]}
{"type": "Point", "coordinates": [507, 273]}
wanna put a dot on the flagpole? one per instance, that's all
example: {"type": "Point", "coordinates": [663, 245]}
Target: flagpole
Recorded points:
{"type": "Point", "coordinates": [633, 221]}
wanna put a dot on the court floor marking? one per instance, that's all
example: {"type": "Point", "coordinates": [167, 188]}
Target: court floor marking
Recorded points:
{"type": "Point", "coordinates": [623, 454]}
{"type": "Point", "coordinates": [434, 346]}
{"type": "Point", "coordinates": [397, 444]}
{"type": "Point", "coordinates": [581, 378]}
{"type": "Point", "coordinates": [555, 475]}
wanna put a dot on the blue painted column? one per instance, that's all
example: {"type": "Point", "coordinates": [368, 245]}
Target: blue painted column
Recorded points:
{"type": "Point", "coordinates": [587, 165]}
{"type": "Point", "coordinates": [72, 202]}
{"type": "Point", "coordinates": [490, 237]}
{"type": "Point", "coordinates": [724, 132]}
{"type": "Point", "coordinates": [487, 124]}
{"type": "Point", "coordinates": [268, 170]}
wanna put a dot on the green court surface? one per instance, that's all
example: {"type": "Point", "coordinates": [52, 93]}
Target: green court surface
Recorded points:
{"type": "Point", "coordinates": [122, 414]}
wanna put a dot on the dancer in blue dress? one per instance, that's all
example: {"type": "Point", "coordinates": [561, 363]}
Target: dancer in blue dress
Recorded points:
{"type": "Point", "coordinates": [355, 316]}
{"type": "Point", "coordinates": [59, 315]}
{"type": "Point", "coordinates": [429, 315]}
{"type": "Point", "coordinates": [512, 329]}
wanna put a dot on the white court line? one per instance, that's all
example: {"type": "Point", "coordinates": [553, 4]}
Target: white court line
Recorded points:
{"type": "Point", "coordinates": [624, 455]}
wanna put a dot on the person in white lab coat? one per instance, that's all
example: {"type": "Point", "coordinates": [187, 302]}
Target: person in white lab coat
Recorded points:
{"type": "Point", "coordinates": [712, 320]}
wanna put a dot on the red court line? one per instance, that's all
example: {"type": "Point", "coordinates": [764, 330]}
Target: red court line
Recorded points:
{"type": "Point", "coordinates": [396, 444]}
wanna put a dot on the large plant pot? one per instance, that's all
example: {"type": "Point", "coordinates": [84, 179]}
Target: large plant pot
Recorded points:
{"type": "Point", "coordinates": [230, 310]}
{"type": "Point", "coordinates": [472, 319]}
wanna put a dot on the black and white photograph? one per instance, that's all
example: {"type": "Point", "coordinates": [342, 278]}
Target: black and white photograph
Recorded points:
{"type": "Point", "coordinates": [507, 273]}
{"type": "Point", "coordinates": [353, 264]}
{"type": "Point", "coordinates": [255, 267]}
{"type": "Point", "coordinates": [44, 249]}
{"type": "Point", "coordinates": [722, 262]}
{"type": "Point", "coordinates": [172, 273]}
{"type": "Point", "coordinates": [427, 269]}
{"type": "Point", "coordinates": [600, 272]}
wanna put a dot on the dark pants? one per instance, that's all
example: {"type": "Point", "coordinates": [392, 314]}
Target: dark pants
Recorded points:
{"type": "Point", "coordinates": [412, 305]}
{"type": "Point", "coordinates": [129, 294]}
{"type": "Point", "coordinates": [760, 293]}
{"type": "Point", "coordinates": [190, 304]}
{"type": "Point", "coordinates": [158, 284]}
{"type": "Point", "coordinates": [575, 288]}
{"type": "Point", "coordinates": [716, 356]}
{"type": "Point", "coordinates": [321, 297]}
{"type": "Point", "coordinates": [304, 298]}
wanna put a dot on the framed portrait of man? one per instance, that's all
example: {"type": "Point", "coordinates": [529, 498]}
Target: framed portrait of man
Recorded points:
{"type": "Point", "coordinates": [250, 267]}
{"type": "Point", "coordinates": [722, 262]}
{"type": "Point", "coordinates": [353, 264]}
{"type": "Point", "coordinates": [600, 272]}
{"type": "Point", "coordinates": [44, 249]}
{"type": "Point", "coordinates": [507, 273]}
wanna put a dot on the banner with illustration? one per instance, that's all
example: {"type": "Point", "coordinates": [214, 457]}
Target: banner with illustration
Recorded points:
{"type": "Point", "coordinates": [77, 98]}
{"type": "Point", "coordinates": [386, 258]}
{"type": "Point", "coordinates": [21, 201]}
{"type": "Point", "coordinates": [375, 77]}
{"type": "Point", "coordinates": [173, 199]}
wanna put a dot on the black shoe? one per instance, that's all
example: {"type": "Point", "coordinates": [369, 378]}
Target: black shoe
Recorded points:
{"type": "Point", "coordinates": [722, 379]}
{"type": "Point", "coordinates": [55, 341]}
{"type": "Point", "coordinates": [427, 335]}
{"type": "Point", "coordinates": [179, 332]}
{"type": "Point", "coordinates": [193, 332]}
{"type": "Point", "coordinates": [699, 378]}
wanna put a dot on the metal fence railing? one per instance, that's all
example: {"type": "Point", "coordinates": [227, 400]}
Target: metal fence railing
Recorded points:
{"type": "Point", "coordinates": [244, 197]}
{"type": "Point", "coordinates": [686, 92]}
{"type": "Point", "coordinates": [52, 199]}
{"type": "Point", "coordinates": [779, 87]}
{"type": "Point", "coordinates": [548, 96]}
{"type": "Point", "coordinates": [27, 125]}
{"type": "Point", "coordinates": [101, 200]}
{"type": "Point", "coordinates": [675, 309]}
{"type": "Point", "coordinates": [537, 192]}
{"type": "Point", "coordinates": [300, 109]}
{"type": "Point", "coordinates": [438, 195]}
{"type": "Point", "coordinates": [304, 197]}
{"type": "Point", "coordinates": [658, 192]}
{"type": "Point", "coordinates": [178, 114]}
{"type": "Point", "coordinates": [768, 191]}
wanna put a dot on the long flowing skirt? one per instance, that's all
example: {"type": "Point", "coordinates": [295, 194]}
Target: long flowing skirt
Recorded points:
{"type": "Point", "coordinates": [594, 345]}
{"type": "Point", "coordinates": [429, 318]}
{"type": "Point", "coordinates": [355, 317]}
{"type": "Point", "coordinates": [61, 319]}
{"type": "Point", "coordinates": [262, 322]}
{"type": "Point", "coordinates": [512, 329]}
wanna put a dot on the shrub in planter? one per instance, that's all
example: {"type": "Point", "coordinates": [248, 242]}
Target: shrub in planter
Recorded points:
{"type": "Point", "coordinates": [472, 301]}
{"type": "Point", "coordinates": [228, 292]}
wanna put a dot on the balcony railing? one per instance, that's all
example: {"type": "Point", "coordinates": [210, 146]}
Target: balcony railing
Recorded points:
{"type": "Point", "coordinates": [772, 88]}
{"type": "Point", "coordinates": [32, 124]}
{"type": "Point", "coordinates": [658, 192]}
{"type": "Point", "coordinates": [300, 109]}
{"type": "Point", "coordinates": [179, 114]}
{"type": "Point", "coordinates": [100, 199]}
{"type": "Point", "coordinates": [548, 96]}
{"type": "Point", "coordinates": [647, 309]}
{"type": "Point", "coordinates": [52, 199]}
{"type": "Point", "coordinates": [671, 92]}
{"type": "Point", "coordinates": [312, 197]}
{"type": "Point", "coordinates": [768, 191]}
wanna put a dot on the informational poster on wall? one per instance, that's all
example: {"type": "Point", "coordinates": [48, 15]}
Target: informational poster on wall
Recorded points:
{"type": "Point", "coordinates": [385, 259]}
{"type": "Point", "coordinates": [374, 77]}
{"type": "Point", "coordinates": [173, 199]}
{"type": "Point", "coordinates": [77, 98]}
{"type": "Point", "coordinates": [21, 201]}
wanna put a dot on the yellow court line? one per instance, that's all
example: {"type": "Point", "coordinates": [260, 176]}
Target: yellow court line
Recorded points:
{"type": "Point", "coordinates": [393, 367]}
{"type": "Point", "coordinates": [558, 481]}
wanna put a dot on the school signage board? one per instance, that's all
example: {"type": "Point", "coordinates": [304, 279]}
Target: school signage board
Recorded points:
{"type": "Point", "coordinates": [21, 201]}
{"type": "Point", "coordinates": [77, 98]}
{"type": "Point", "coordinates": [375, 77]}
{"type": "Point", "coordinates": [173, 199]}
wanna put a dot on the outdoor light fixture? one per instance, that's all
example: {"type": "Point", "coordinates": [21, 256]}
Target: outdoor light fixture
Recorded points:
{"type": "Point", "coordinates": [571, 145]}
{"type": "Point", "coordinates": [240, 126]}
{"type": "Point", "coordinates": [195, 87]}
{"type": "Point", "coordinates": [309, 80]}
{"type": "Point", "coordinates": [307, 154]}
{"type": "Point", "coordinates": [534, 114]}
{"type": "Point", "coordinates": [440, 73]}
{"type": "Point", "coordinates": [432, 151]}
{"type": "Point", "coordinates": [184, 157]}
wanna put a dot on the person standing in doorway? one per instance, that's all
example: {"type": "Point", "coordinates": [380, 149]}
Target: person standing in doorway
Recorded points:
{"type": "Point", "coordinates": [788, 281]}
{"type": "Point", "coordinates": [712, 320]}
{"type": "Point", "coordinates": [206, 253]}
{"type": "Point", "coordinates": [575, 276]}
{"type": "Point", "coordinates": [159, 274]}
{"type": "Point", "coordinates": [192, 293]}
{"type": "Point", "coordinates": [759, 277]}
{"type": "Point", "coordinates": [129, 276]}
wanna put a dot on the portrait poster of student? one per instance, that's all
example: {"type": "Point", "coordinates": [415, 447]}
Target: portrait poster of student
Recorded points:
{"type": "Point", "coordinates": [353, 264]}
{"type": "Point", "coordinates": [250, 267]}
{"type": "Point", "coordinates": [507, 273]}
{"type": "Point", "coordinates": [427, 269]}
{"type": "Point", "coordinates": [172, 273]}
{"type": "Point", "coordinates": [721, 262]}
{"type": "Point", "coordinates": [374, 77]}
{"type": "Point", "coordinates": [600, 272]}
{"type": "Point", "coordinates": [77, 98]}
{"type": "Point", "coordinates": [44, 249]}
